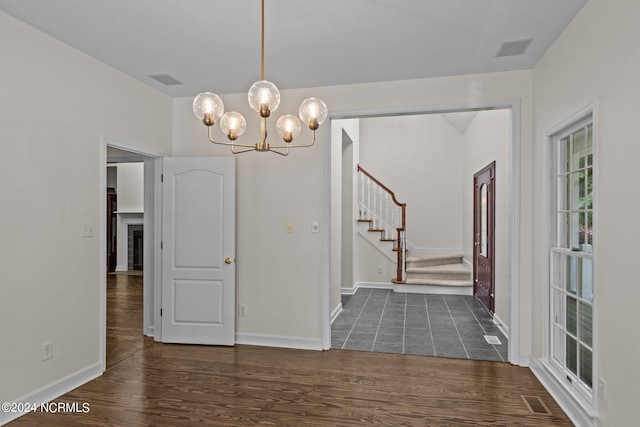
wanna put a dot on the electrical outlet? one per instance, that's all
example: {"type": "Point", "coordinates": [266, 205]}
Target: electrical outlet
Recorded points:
{"type": "Point", "coordinates": [601, 387]}
{"type": "Point", "coordinates": [379, 269]}
{"type": "Point", "coordinates": [47, 350]}
{"type": "Point", "coordinates": [242, 310]}
{"type": "Point", "coordinates": [315, 227]}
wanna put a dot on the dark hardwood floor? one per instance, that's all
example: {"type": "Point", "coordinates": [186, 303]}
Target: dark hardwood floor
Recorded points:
{"type": "Point", "coordinates": [151, 384]}
{"type": "Point", "coordinates": [124, 317]}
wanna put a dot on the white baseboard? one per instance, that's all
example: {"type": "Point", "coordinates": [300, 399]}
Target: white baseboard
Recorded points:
{"type": "Point", "coordinates": [523, 360]}
{"type": "Point", "coordinates": [348, 291]}
{"type": "Point", "coordinates": [501, 325]}
{"type": "Point", "coordinates": [121, 268]}
{"type": "Point", "coordinates": [279, 341]}
{"type": "Point", "coordinates": [54, 390]}
{"type": "Point", "coordinates": [374, 285]}
{"type": "Point", "coordinates": [467, 264]}
{"type": "Point", "coordinates": [578, 414]}
{"type": "Point", "coordinates": [410, 289]}
{"type": "Point", "coordinates": [366, 285]}
{"type": "Point", "coordinates": [336, 312]}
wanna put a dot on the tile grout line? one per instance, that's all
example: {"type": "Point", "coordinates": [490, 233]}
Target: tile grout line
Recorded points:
{"type": "Point", "coordinates": [356, 321]}
{"type": "Point", "coordinates": [433, 344]}
{"type": "Point", "coordinates": [380, 321]}
{"type": "Point", "coordinates": [456, 326]}
{"type": "Point", "coordinates": [483, 329]}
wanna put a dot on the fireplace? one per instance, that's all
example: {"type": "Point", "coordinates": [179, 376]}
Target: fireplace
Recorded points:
{"type": "Point", "coordinates": [135, 240]}
{"type": "Point", "coordinates": [130, 245]}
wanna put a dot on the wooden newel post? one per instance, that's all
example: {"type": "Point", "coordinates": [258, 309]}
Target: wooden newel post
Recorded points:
{"type": "Point", "coordinates": [400, 246]}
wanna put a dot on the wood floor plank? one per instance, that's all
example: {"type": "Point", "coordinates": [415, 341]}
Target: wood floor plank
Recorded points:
{"type": "Point", "coordinates": [152, 384]}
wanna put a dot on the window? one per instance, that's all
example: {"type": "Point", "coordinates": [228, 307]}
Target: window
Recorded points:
{"type": "Point", "coordinates": [571, 296]}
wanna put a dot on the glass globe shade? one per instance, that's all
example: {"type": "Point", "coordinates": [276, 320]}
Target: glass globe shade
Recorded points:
{"type": "Point", "coordinates": [313, 112]}
{"type": "Point", "coordinates": [264, 94]}
{"type": "Point", "coordinates": [208, 103]}
{"type": "Point", "coordinates": [288, 127]}
{"type": "Point", "coordinates": [233, 124]}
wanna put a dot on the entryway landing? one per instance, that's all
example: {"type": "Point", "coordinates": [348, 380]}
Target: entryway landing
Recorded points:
{"type": "Point", "coordinates": [455, 326]}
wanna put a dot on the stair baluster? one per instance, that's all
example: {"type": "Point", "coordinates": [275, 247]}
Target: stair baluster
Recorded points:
{"type": "Point", "coordinates": [378, 206]}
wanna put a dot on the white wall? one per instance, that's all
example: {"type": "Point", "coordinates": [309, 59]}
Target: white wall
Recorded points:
{"type": "Point", "coordinates": [56, 105]}
{"type": "Point", "coordinates": [419, 158]}
{"type": "Point", "coordinates": [487, 139]}
{"type": "Point", "coordinates": [370, 259]}
{"type": "Point", "coordinates": [342, 238]}
{"type": "Point", "coordinates": [130, 192]}
{"type": "Point", "coordinates": [280, 276]}
{"type": "Point", "coordinates": [130, 187]}
{"type": "Point", "coordinates": [597, 58]}
{"type": "Point", "coordinates": [348, 223]}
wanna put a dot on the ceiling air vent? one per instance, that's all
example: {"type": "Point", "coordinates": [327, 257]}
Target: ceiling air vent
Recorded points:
{"type": "Point", "coordinates": [165, 79]}
{"type": "Point", "coordinates": [513, 48]}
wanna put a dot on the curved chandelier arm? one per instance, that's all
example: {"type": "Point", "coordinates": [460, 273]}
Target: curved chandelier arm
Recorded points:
{"type": "Point", "coordinates": [241, 151]}
{"type": "Point", "coordinates": [286, 153]}
{"type": "Point", "coordinates": [231, 144]}
{"type": "Point", "coordinates": [313, 141]}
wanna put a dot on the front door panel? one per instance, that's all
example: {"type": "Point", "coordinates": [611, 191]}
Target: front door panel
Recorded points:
{"type": "Point", "coordinates": [483, 231]}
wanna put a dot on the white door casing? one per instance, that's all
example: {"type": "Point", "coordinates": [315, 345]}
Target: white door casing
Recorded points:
{"type": "Point", "coordinates": [198, 250]}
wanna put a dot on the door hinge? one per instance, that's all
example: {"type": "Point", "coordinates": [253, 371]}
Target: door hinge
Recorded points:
{"type": "Point", "coordinates": [161, 177]}
{"type": "Point", "coordinates": [160, 312]}
{"type": "Point", "coordinates": [161, 244]}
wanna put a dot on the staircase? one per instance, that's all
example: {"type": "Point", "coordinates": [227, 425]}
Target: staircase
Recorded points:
{"type": "Point", "coordinates": [437, 270]}
{"type": "Point", "coordinates": [385, 216]}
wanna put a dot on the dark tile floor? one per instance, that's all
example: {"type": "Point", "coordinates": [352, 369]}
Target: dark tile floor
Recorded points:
{"type": "Point", "coordinates": [384, 321]}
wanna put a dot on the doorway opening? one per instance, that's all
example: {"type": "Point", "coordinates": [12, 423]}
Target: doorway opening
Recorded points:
{"type": "Point", "coordinates": [127, 232]}
{"type": "Point", "coordinates": [465, 121]}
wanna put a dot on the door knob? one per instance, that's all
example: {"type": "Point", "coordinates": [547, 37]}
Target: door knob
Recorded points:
{"type": "Point", "coordinates": [228, 260]}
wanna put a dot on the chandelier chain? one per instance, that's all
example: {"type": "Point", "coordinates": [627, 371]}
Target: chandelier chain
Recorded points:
{"type": "Point", "coordinates": [262, 61]}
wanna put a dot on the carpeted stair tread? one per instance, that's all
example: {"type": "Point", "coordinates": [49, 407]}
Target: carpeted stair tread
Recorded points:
{"type": "Point", "coordinates": [436, 282]}
{"type": "Point", "coordinates": [428, 260]}
{"type": "Point", "coordinates": [441, 269]}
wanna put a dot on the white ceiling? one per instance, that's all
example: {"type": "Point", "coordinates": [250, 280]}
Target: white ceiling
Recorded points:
{"type": "Point", "coordinates": [214, 45]}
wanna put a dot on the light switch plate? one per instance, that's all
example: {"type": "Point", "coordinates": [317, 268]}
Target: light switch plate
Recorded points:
{"type": "Point", "coordinates": [88, 229]}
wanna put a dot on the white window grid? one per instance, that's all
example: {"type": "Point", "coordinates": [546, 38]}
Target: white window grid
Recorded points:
{"type": "Point", "coordinates": [567, 246]}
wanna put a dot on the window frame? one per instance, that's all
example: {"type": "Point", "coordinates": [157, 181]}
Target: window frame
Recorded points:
{"type": "Point", "coordinates": [586, 397]}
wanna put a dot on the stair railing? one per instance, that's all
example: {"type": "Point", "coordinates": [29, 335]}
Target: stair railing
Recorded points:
{"type": "Point", "coordinates": [378, 206]}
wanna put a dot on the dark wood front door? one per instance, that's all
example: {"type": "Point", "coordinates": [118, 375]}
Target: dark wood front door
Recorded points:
{"type": "Point", "coordinates": [483, 235]}
{"type": "Point", "coordinates": [112, 248]}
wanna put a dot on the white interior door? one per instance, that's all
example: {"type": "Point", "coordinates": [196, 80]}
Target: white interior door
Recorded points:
{"type": "Point", "coordinates": [198, 250]}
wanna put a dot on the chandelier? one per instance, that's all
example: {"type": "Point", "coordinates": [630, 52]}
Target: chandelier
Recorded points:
{"type": "Point", "coordinates": [264, 98]}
